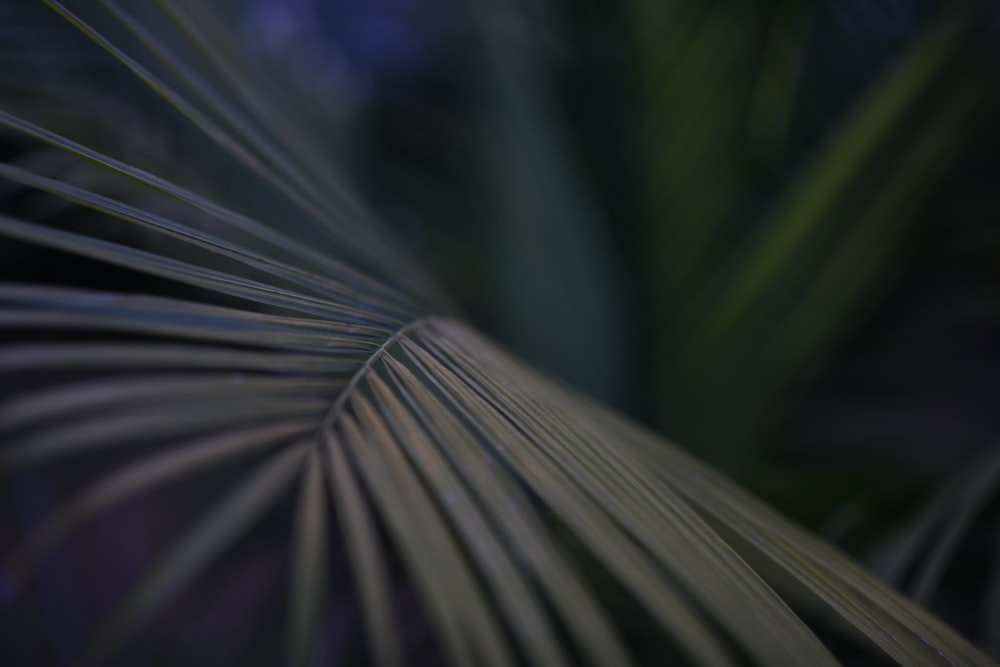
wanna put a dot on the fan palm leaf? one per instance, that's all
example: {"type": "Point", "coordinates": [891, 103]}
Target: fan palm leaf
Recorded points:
{"type": "Point", "coordinates": [313, 356]}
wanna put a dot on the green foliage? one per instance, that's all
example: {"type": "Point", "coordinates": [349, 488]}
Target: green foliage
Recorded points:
{"type": "Point", "coordinates": [266, 336]}
{"type": "Point", "coordinates": [750, 303]}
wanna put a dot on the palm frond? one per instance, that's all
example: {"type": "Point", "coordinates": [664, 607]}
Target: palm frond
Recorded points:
{"type": "Point", "coordinates": [334, 376]}
{"type": "Point", "coordinates": [939, 526]}
{"type": "Point", "coordinates": [751, 299]}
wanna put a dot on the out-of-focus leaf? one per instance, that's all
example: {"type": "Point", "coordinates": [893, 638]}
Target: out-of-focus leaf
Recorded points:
{"type": "Point", "coordinates": [192, 553]}
{"type": "Point", "coordinates": [748, 303]}
{"type": "Point", "coordinates": [309, 575]}
{"type": "Point", "coordinates": [564, 306]}
{"type": "Point", "coordinates": [991, 615]}
{"type": "Point", "coordinates": [939, 526]}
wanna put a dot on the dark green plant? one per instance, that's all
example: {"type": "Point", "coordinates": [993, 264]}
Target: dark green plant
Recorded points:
{"type": "Point", "coordinates": [264, 333]}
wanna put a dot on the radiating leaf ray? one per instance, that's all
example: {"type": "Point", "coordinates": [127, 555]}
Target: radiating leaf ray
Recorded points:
{"type": "Point", "coordinates": [202, 30]}
{"type": "Point", "coordinates": [991, 611]}
{"type": "Point", "coordinates": [178, 314]}
{"type": "Point", "coordinates": [897, 626]}
{"type": "Point", "coordinates": [254, 136]}
{"type": "Point", "coordinates": [587, 519]}
{"type": "Point", "coordinates": [66, 400]}
{"type": "Point", "coordinates": [235, 148]}
{"type": "Point", "coordinates": [150, 356]}
{"type": "Point", "coordinates": [513, 595]}
{"type": "Point", "coordinates": [135, 427]}
{"type": "Point", "coordinates": [364, 553]}
{"type": "Point", "coordinates": [321, 261]}
{"type": "Point", "coordinates": [332, 348]}
{"type": "Point", "coordinates": [191, 554]}
{"type": "Point", "coordinates": [318, 285]}
{"type": "Point", "coordinates": [307, 591]}
{"type": "Point", "coordinates": [360, 239]}
{"type": "Point", "coordinates": [977, 485]}
{"type": "Point", "coordinates": [440, 597]}
{"type": "Point", "coordinates": [503, 499]}
{"type": "Point", "coordinates": [143, 476]}
{"type": "Point", "coordinates": [466, 599]}
{"type": "Point", "coordinates": [184, 272]}
{"type": "Point", "coordinates": [246, 133]}
{"type": "Point", "coordinates": [712, 573]}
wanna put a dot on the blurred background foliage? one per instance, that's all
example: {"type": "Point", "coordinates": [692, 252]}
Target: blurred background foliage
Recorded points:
{"type": "Point", "coordinates": [767, 228]}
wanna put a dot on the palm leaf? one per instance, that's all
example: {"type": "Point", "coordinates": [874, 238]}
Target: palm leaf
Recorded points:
{"type": "Point", "coordinates": [939, 526]}
{"type": "Point", "coordinates": [339, 371]}
{"type": "Point", "coordinates": [750, 301]}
